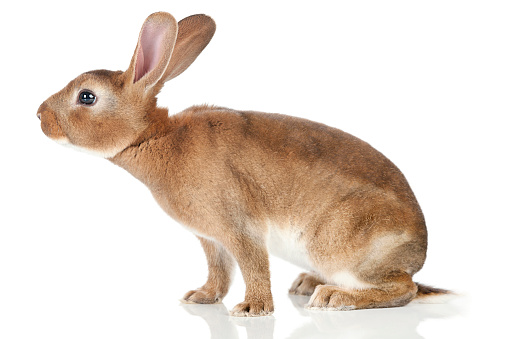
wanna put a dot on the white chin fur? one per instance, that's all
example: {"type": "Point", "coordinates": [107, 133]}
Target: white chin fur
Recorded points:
{"type": "Point", "coordinates": [98, 153]}
{"type": "Point", "coordinates": [62, 141]}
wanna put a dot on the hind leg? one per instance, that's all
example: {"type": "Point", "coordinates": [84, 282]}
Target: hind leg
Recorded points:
{"type": "Point", "coordinates": [394, 290]}
{"type": "Point", "coordinates": [305, 284]}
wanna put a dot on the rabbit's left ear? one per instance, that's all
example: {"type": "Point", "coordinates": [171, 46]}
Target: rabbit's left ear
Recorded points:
{"type": "Point", "coordinates": [154, 49]}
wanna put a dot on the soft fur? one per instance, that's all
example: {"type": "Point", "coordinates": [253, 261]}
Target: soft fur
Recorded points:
{"type": "Point", "coordinates": [246, 182]}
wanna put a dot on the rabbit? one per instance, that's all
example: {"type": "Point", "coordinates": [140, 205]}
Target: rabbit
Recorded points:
{"type": "Point", "coordinates": [249, 183]}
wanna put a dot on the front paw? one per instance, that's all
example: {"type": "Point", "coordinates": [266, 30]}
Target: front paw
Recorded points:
{"type": "Point", "coordinates": [253, 308]}
{"type": "Point", "coordinates": [202, 296]}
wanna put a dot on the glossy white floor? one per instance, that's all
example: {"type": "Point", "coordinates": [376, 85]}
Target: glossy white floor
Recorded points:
{"type": "Point", "coordinates": [293, 320]}
{"type": "Point", "coordinates": [86, 280]}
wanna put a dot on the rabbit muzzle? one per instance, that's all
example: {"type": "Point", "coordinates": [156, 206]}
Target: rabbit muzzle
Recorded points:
{"type": "Point", "coordinates": [49, 123]}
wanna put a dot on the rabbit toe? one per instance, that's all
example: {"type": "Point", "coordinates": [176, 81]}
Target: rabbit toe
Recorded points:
{"type": "Point", "coordinates": [256, 308]}
{"type": "Point", "coordinates": [201, 296]}
{"type": "Point", "coordinates": [305, 284]}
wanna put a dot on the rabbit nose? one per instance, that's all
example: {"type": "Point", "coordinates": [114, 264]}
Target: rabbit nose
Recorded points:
{"type": "Point", "coordinates": [41, 109]}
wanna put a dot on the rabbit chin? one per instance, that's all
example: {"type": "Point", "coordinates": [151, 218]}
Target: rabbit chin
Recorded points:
{"type": "Point", "coordinates": [98, 153]}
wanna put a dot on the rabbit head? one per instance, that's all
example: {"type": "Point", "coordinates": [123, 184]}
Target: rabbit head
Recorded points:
{"type": "Point", "coordinates": [103, 112]}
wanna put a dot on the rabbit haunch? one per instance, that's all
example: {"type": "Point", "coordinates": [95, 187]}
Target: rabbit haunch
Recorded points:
{"type": "Point", "coordinates": [247, 183]}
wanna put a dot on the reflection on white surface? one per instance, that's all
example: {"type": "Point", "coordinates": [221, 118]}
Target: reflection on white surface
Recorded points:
{"type": "Point", "coordinates": [376, 323]}
{"type": "Point", "coordinates": [217, 318]}
{"type": "Point", "coordinates": [222, 326]}
{"type": "Point", "coordinates": [399, 322]}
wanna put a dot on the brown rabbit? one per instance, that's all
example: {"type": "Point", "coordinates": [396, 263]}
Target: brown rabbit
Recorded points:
{"type": "Point", "coordinates": [250, 183]}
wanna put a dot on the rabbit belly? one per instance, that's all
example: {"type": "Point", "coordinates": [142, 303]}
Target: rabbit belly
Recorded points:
{"type": "Point", "coordinates": [287, 243]}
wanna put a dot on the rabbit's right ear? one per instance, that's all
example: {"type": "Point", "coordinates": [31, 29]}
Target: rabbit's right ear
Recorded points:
{"type": "Point", "coordinates": [194, 34]}
{"type": "Point", "coordinates": [153, 51]}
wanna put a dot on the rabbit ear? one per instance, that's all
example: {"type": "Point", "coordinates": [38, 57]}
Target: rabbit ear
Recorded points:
{"type": "Point", "coordinates": [194, 34]}
{"type": "Point", "coordinates": [154, 49]}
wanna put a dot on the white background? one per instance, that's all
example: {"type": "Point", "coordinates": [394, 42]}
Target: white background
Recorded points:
{"type": "Point", "coordinates": [85, 252]}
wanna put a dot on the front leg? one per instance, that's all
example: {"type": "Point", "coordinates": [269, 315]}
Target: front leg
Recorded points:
{"type": "Point", "coordinates": [253, 260]}
{"type": "Point", "coordinates": [221, 265]}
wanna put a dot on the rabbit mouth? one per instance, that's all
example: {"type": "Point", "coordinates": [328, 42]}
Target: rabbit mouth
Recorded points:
{"type": "Point", "coordinates": [50, 126]}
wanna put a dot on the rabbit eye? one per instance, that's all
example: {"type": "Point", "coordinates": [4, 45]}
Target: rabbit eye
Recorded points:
{"type": "Point", "coordinates": [87, 98]}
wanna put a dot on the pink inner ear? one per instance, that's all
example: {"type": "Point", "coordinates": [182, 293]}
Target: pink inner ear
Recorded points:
{"type": "Point", "coordinates": [150, 50]}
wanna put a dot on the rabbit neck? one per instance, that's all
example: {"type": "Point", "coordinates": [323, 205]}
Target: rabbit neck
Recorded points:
{"type": "Point", "coordinates": [158, 159]}
{"type": "Point", "coordinates": [149, 154]}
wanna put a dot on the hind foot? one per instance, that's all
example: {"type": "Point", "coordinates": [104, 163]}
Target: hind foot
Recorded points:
{"type": "Point", "coordinates": [394, 291]}
{"type": "Point", "coordinates": [331, 298]}
{"type": "Point", "coordinates": [305, 284]}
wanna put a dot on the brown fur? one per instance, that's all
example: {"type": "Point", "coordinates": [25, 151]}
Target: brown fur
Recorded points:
{"type": "Point", "coordinates": [237, 178]}
{"type": "Point", "coordinates": [305, 284]}
{"type": "Point", "coordinates": [424, 291]}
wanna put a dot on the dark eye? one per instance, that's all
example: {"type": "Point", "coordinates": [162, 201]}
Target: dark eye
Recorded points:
{"type": "Point", "coordinates": [87, 98]}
